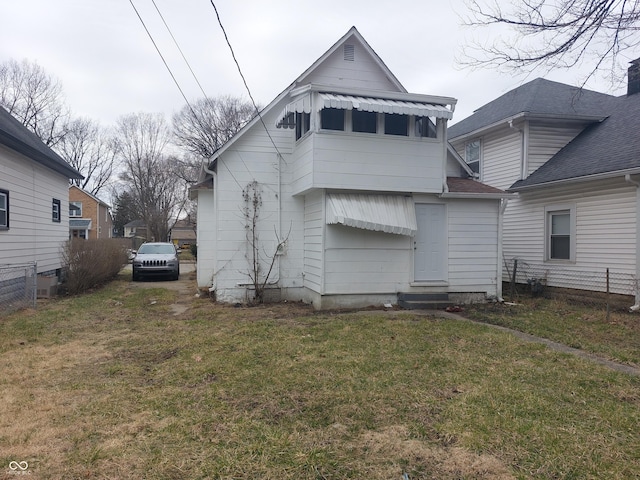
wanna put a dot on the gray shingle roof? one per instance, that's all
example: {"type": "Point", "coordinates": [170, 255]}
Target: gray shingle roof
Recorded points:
{"type": "Point", "coordinates": [610, 146]}
{"type": "Point", "coordinates": [537, 97]}
{"type": "Point", "coordinates": [17, 137]}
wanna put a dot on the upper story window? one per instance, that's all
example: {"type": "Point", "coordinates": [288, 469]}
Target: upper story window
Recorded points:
{"type": "Point", "coordinates": [472, 152]}
{"type": "Point", "coordinates": [332, 119]}
{"type": "Point", "coordinates": [75, 209]}
{"type": "Point", "coordinates": [4, 210]}
{"type": "Point", "coordinates": [426, 127]}
{"type": "Point", "coordinates": [396, 124]}
{"type": "Point", "coordinates": [55, 210]}
{"type": "Point", "coordinates": [303, 124]}
{"type": "Point", "coordinates": [365, 122]}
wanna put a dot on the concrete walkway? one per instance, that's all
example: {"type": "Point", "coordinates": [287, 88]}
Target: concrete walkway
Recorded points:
{"type": "Point", "coordinates": [559, 347]}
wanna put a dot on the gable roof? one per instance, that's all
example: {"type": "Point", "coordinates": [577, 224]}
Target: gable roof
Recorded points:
{"type": "Point", "coordinates": [90, 195]}
{"type": "Point", "coordinates": [606, 148]}
{"type": "Point", "coordinates": [539, 97]}
{"type": "Point", "coordinates": [352, 33]}
{"type": "Point", "coordinates": [17, 137]}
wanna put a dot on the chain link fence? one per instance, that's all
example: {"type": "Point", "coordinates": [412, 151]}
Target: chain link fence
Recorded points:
{"type": "Point", "coordinates": [596, 287]}
{"type": "Point", "coordinates": [18, 287]}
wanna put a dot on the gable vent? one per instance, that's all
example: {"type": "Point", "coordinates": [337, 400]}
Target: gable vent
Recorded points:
{"type": "Point", "coordinates": [349, 53]}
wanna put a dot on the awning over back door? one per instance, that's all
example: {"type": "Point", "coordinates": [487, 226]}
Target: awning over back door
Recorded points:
{"type": "Point", "coordinates": [381, 213]}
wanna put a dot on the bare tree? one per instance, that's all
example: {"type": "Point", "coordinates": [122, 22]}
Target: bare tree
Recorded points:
{"type": "Point", "coordinates": [551, 34]}
{"type": "Point", "coordinates": [88, 149]}
{"type": "Point", "coordinates": [148, 173]}
{"type": "Point", "coordinates": [35, 98]}
{"type": "Point", "coordinates": [204, 126]}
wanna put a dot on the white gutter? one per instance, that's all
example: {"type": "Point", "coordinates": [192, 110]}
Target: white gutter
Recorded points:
{"type": "Point", "coordinates": [586, 178]}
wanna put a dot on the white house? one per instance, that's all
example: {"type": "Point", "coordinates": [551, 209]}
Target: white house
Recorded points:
{"type": "Point", "coordinates": [34, 198]}
{"type": "Point", "coordinates": [360, 200]}
{"type": "Point", "coordinates": [573, 157]}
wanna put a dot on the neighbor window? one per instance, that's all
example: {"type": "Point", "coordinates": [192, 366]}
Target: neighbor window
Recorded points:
{"type": "Point", "coordinates": [426, 127]}
{"type": "Point", "coordinates": [365, 122]}
{"type": "Point", "coordinates": [55, 210]}
{"type": "Point", "coordinates": [332, 118]}
{"type": "Point", "coordinates": [75, 209]}
{"type": "Point", "coordinates": [302, 124]}
{"type": "Point", "coordinates": [472, 154]}
{"type": "Point", "coordinates": [396, 124]}
{"type": "Point", "coordinates": [560, 233]}
{"type": "Point", "coordinates": [4, 210]}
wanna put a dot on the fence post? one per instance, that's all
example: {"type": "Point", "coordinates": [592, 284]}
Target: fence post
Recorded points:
{"type": "Point", "coordinates": [513, 279]}
{"type": "Point", "coordinates": [607, 294]}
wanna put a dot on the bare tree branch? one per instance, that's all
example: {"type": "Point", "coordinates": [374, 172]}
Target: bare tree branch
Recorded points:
{"type": "Point", "coordinates": [550, 34]}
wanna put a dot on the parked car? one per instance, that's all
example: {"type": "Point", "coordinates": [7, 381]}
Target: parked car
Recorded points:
{"type": "Point", "coordinates": [156, 259]}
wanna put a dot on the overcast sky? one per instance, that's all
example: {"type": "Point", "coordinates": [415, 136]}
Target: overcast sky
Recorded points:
{"type": "Point", "coordinates": [108, 65]}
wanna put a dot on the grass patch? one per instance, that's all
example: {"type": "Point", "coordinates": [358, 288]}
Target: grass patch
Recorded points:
{"type": "Point", "coordinates": [114, 385]}
{"type": "Point", "coordinates": [573, 324]}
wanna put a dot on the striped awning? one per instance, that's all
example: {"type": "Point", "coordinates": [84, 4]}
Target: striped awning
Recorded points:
{"type": "Point", "coordinates": [381, 105]}
{"type": "Point", "coordinates": [365, 104]}
{"type": "Point", "coordinates": [381, 213]}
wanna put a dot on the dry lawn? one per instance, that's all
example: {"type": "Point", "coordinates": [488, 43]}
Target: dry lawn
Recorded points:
{"type": "Point", "coordinates": [121, 384]}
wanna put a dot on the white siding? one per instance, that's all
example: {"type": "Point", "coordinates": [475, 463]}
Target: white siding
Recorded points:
{"type": "Point", "coordinates": [368, 162]}
{"type": "Point", "coordinates": [362, 261]}
{"type": "Point", "coordinates": [362, 72]}
{"type": "Point", "coordinates": [473, 246]}
{"type": "Point", "coordinates": [545, 140]}
{"type": "Point", "coordinates": [501, 158]}
{"type": "Point", "coordinates": [32, 235]}
{"type": "Point", "coordinates": [313, 241]}
{"type": "Point", "coordinates": [605, 229]}
{"type": "Point", "coordinates": [206, 238]}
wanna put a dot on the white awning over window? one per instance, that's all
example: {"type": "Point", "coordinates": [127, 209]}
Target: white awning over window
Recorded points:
{"type": "Point", "coordinates": [381, 213]}
{"type": "Point", "coordinates": [381, 105]}
{"type": "Point", "coordinates": [366, 104]}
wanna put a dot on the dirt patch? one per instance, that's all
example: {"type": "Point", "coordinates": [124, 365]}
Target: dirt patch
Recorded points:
{"type": "Point", "coordinates": [417, 458]}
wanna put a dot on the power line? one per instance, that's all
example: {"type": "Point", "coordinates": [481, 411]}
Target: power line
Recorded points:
{"type": "Point", "coordinates": [245, 81]}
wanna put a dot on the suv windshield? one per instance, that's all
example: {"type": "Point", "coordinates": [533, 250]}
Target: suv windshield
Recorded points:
{"type": "Point", "coordinates": [157, 249]}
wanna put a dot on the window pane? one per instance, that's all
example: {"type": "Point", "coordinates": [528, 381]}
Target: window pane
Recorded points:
{"type": "Point", "coordinates": [560, 247]}
{"type": "Point", "coordinates": [472, 152]}
{"type": "Point", "coordinates": [426, 127]}
{"type": "Point", "coordinates": [332, 118]}
{"type": "Point", "coordinates": [3, 218]}
{"type": "Point", "coordinates": [395, 124]}
{"type": "Point", "coordinates": [303, 121]}
{"type": "Point", "coordinates": [3, 201]}
{"type": "Point", "coordinates": [366, 122]}
{"type": "Point", "coordinates": [560, 224]}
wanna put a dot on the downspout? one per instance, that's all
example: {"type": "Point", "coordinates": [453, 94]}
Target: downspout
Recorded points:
{"type": "Point", "coordinates": [502, 207]}
{"type": "Point", "coordinates": [214, 176]}
{"type": "Point", "coordinates": [627, 178]}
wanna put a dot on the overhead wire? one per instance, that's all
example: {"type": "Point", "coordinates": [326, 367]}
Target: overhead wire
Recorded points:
{"type": "Point", "coordinates": [255, 106]}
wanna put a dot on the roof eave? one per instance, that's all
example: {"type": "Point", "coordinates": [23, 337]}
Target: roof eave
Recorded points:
{"type": "Point", "coordinates": [477, 195]}
{"type": "Point", "coordinates": [585, 178]}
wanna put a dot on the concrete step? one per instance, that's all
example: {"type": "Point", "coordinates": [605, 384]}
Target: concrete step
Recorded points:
{"type": "Point", "coordinates": [424, 301]}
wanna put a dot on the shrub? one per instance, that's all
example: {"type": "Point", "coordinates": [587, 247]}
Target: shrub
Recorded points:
{"type": "Point", "coordinates": [194, 250]}
{"type": "Point", "coordinates": [91, 263]}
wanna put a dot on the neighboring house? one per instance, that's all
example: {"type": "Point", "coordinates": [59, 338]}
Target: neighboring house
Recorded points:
{"type": "Point", "coordinates": [355, 177]}
{"type": "Point", "coordinates": [34, 199]}
{"type": "Point", "coordinates": [573, 157]}
{"type": "Point", "coordinates": [183, 233]}
{"type": "Point", "coordinates": [135, 229]}
{"type": "Point", "coordinates": [89, 217]}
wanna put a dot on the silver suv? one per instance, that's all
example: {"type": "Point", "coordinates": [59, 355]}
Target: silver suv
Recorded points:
{"type": "Point", "coordinates": [157, 258]}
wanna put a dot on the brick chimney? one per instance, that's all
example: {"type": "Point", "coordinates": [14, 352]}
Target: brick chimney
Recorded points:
{"type": "Point", "coordinates": [633, 77]}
